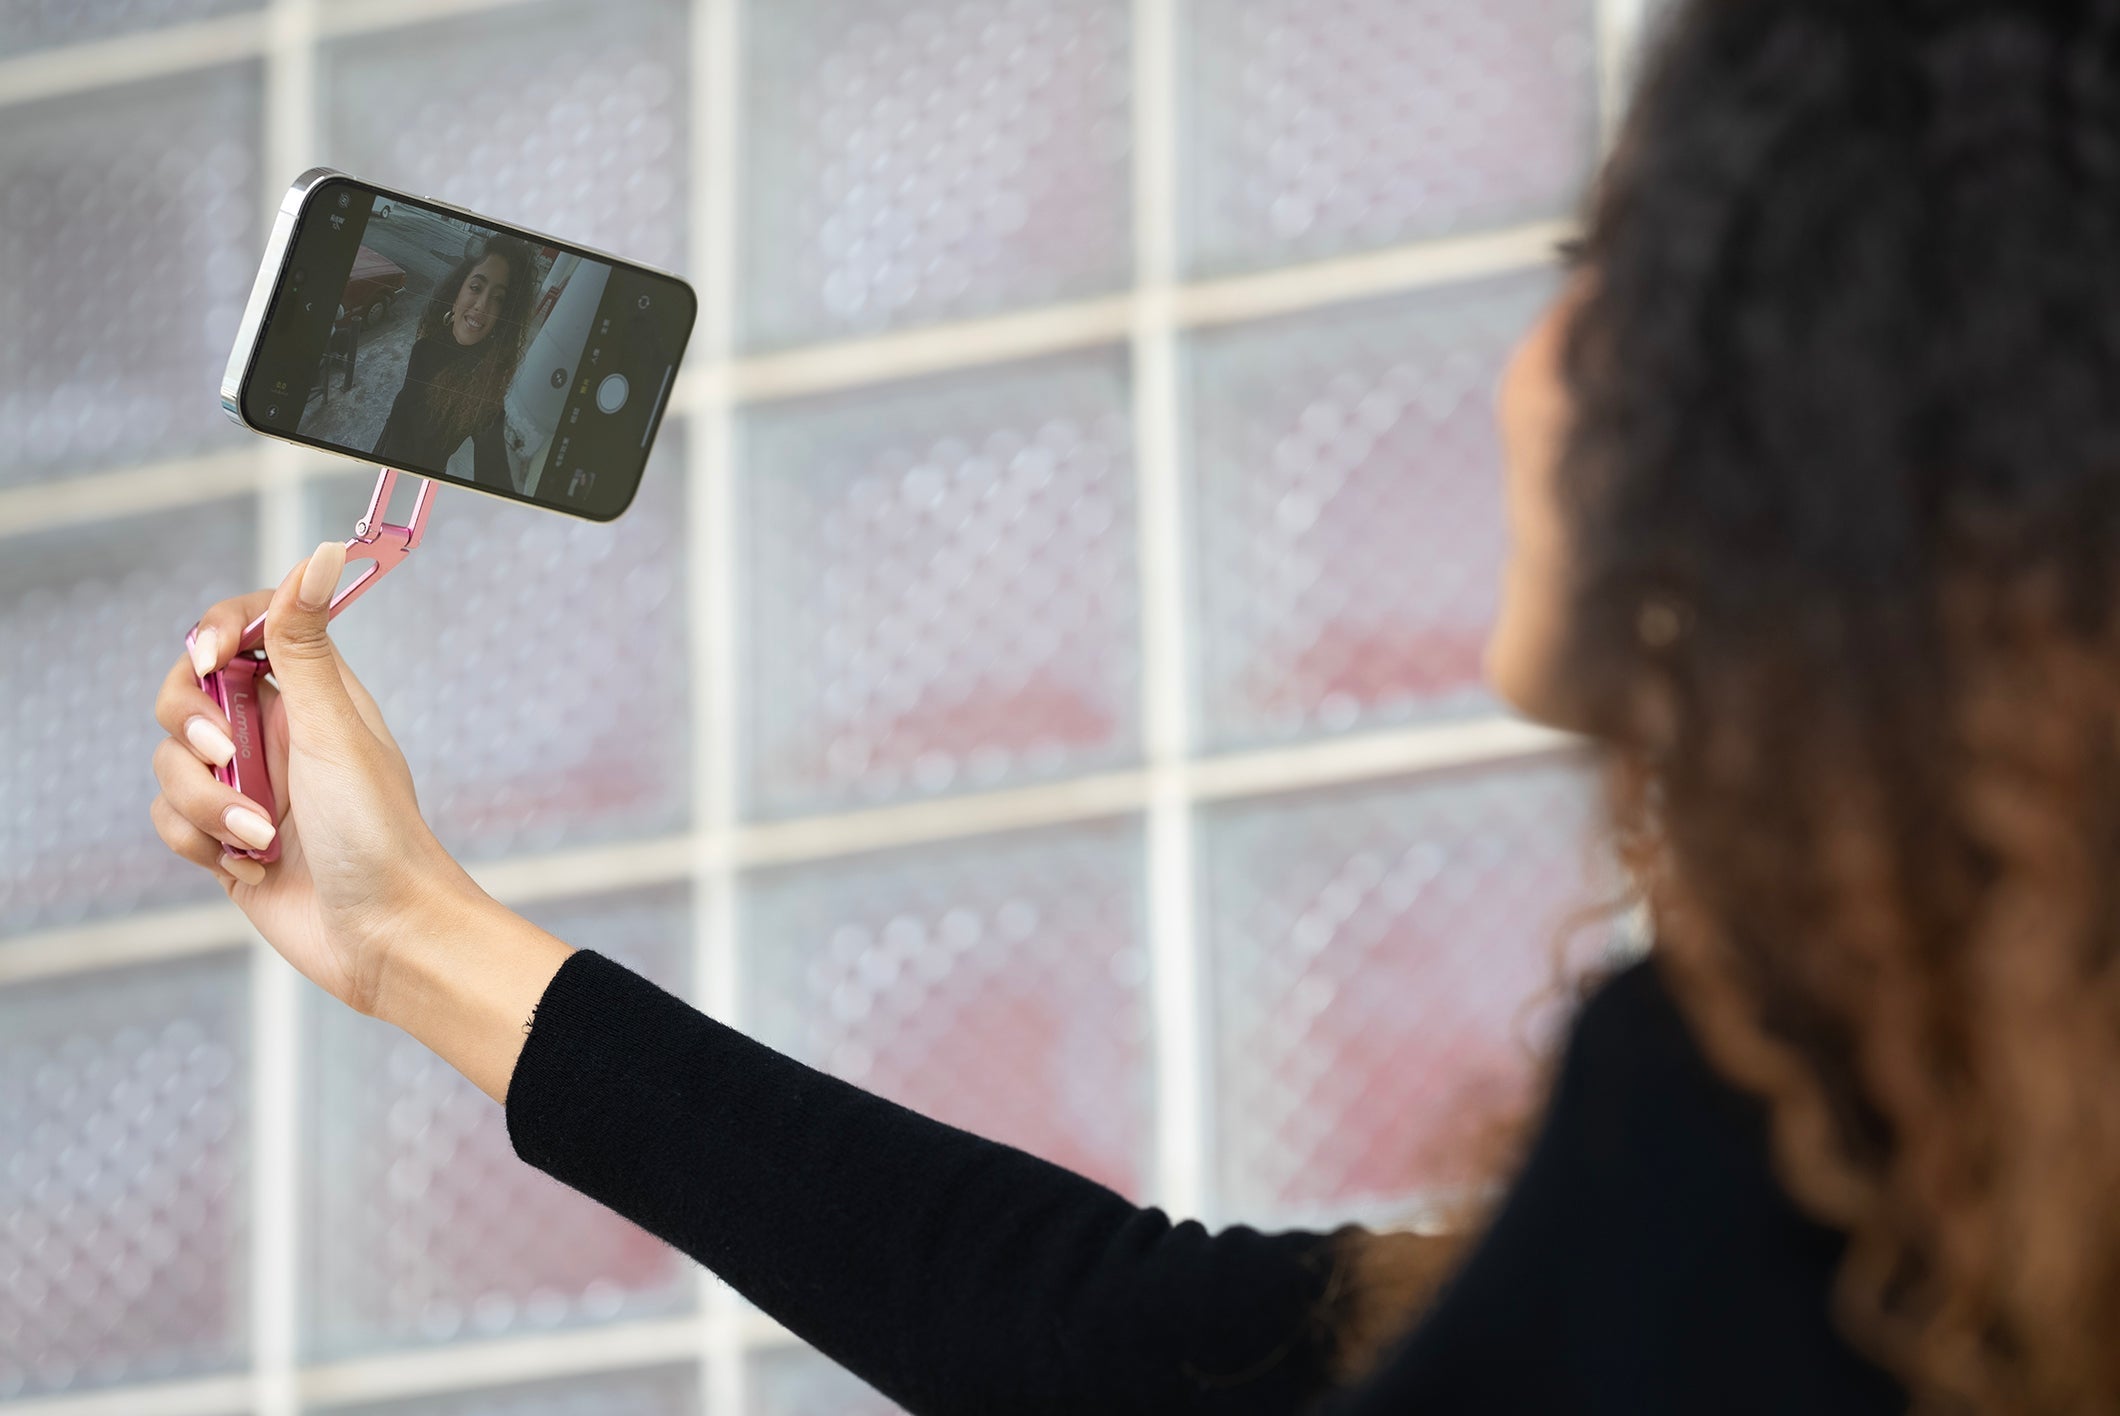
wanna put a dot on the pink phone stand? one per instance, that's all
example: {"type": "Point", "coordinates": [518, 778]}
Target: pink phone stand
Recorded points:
{"type": "Point", "coordinates": [234, 687]}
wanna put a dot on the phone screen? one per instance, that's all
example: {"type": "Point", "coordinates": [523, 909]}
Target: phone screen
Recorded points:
{"type": "Point", "coordinates": [420, 339]}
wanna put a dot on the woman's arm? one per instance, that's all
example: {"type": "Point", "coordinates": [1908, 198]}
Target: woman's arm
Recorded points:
{"type": "Point", "coordinates": [465, 976]}
{"type": "Point", "coordinates": [394, 443]}
{"type": "Point", "coordinates": [489, 457]}
{"type": "Point", "coordinates": [953, 1273]}
{"type": "Point", "coordinates": [956, 1274]}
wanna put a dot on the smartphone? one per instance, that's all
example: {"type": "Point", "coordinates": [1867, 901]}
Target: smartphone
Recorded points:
{"type": "Point", "coordinates": [412, 334]}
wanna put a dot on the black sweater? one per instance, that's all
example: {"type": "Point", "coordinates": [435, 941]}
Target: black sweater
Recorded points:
{"type": "Point", "coordinates": [1643, 1262]}
{"type": "Point", "coordinates": [411, 438]}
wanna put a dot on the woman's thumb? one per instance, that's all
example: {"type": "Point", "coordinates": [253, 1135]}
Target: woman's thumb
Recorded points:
{"type": "Point", "coordinates": [298, 640]}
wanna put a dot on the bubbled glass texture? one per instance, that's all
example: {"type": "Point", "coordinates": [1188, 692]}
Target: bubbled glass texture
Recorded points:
{"type": "Point", "coordinates": [92, 617]}
{"type": "Point", "coordinates": [1347, 496]}
{"type": "Point", "coordinates": [997, 984]}
{"type": "Point", "coordinates": [794, 1381]}
{"type": "Point", "coordinates": [124, 1176]}
{"type": "Point", "coordinates": [917, 160]}
{"type": "Point", "coordinates": [532, 665]}
{"type": "Point", "coordinates": [1312, 128]}
{"type": "Point", "coordinates": [1384, 960]}
{"type": "Point", "coordinates": [563, 118]}
{"type": "Point", "coordinates": [128, 231]}
{"type": "Point", "coordinates": [941, 593]}
{"type": "Point", "coordinates": [39, 24]}
{"type": "Point", "coordinates": [422, 1226]}
{"type": "Point", "coordinates": [659, 1391]}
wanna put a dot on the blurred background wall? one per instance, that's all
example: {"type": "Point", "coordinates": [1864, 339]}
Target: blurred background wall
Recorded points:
{"type": "Point", "coordinates": [1038, 680]}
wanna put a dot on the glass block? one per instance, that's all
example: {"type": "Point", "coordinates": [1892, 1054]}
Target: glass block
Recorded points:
{"type": "Point", "coordinates": [1385, 964]}
{"type": "Point", "coordinates": [128, 228]}
{"type": "Point", "coordinates": [1312, 128]}
{"type": "Point", "coordinates": [1348, 504]}
{"type": "Point", "coordinates": [998, 984]}
{"type": "Point", "coordinates": [797, 1381]}
{"type": "Point", "coordinates": [564, 118]}
{"type": "Point", "coordinates": [940, 587]}
{"type": "Point", "coordinates": [918, 160]}
{"type": "Point", "coordinates": [124, 1176]}
{"type": "Point", "coordinates": [421, 1225]}
{"type": "Point", "coordinates": [93, 617]}
{"type": "Point", "coordinates": [533, 666]}
{"type": "Point", "coordinates": [40, 24]}
{"type": "Point", "coordinates": [656, 1391]}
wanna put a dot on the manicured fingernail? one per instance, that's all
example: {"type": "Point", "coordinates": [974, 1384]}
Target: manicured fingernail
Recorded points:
{"type": "Point", "coordinates": [244, 869]}
{"type": "Point", "coordinates": [210, 742]}
{"type": "Point", "coordinates": [248, 827]}
{"type": "Point", "coordinates": [321, 576]}
{"type": "Point", "coordinates": [204, 650]}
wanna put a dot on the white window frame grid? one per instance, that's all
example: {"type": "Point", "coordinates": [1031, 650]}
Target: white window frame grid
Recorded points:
{"type": "Point", "coordinates": [1164, 791]}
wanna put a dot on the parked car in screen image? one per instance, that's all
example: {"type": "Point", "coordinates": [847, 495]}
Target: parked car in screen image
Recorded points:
{"type": "Point", "coordinates": [373, 283]}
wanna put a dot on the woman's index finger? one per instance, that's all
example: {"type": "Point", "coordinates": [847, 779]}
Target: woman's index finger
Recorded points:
{"type": "Point", "coordinates": [220, 629]}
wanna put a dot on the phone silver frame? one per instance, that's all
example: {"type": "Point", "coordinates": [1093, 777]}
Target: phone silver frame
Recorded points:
{"type": "Point", "coordinates": [280, 244]}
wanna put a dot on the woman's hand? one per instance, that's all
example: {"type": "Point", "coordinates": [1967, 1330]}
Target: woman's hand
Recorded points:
{"type": "Point", "coordinates": [358, 866]}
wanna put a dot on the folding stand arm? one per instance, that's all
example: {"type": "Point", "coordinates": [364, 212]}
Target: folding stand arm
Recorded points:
{"type": "Point", "coordinates": [234, 686]}
{"type": "Point", "coordinates": [383, 545]}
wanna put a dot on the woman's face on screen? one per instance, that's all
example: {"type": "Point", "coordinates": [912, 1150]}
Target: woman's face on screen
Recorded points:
{"type": "Point", "coordinates": [478, 300]}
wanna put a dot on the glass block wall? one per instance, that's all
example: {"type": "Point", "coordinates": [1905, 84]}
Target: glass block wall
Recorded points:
{"type": "Point", "coordinates": [1039, 681]}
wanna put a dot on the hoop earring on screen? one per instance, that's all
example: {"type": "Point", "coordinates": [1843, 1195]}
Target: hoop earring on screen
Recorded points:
{"type": "Point", "coordinates": [447, 316]}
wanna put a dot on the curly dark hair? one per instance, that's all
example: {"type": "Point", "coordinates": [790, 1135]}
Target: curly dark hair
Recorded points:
{"type": "Point", "coordinates": [1843, 488]}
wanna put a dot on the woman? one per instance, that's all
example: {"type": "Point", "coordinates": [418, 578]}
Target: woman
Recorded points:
{"type": "Point", "coordinates": [464, 352]}
{"type": "Point", "coordinates": [1816, 533]}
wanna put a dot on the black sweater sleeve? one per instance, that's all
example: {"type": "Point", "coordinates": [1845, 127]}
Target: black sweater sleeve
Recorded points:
{"type": "Point", "coordinates": [489, 457]}
{"type": "Point", "coordinates": [401, 440]}
{"type": "Point", "coordinates": [952, 1273]}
